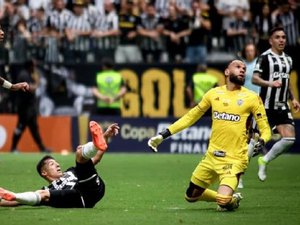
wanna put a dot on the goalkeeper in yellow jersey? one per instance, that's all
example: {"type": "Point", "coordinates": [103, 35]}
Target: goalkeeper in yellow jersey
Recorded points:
{"type": "Point", "coordinates": [227, 154]}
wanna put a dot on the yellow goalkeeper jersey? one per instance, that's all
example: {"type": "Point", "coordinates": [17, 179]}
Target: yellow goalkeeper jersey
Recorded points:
{"type": "Point", "coordinates": [230, 112]}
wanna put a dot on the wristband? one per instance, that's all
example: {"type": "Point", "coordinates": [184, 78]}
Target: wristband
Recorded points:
{"type": "Point", "coordinates": [6, 84]}
{"type": "Point", "coordinates": [165, 133]}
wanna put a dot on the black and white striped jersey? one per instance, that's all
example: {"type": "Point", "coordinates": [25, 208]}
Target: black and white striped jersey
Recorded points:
{"type": "Point", "coordinates": [68, 181]}
{"type": "Point", "coordinates": [78, 24]}
{"type": "Point", "coordinates": [150, 24]}
{"type": "Point", "coordinates": [106, 22]}
{"type": "Point", "coordinates": [58, 20]}
{"type": "Point", "coordinates": [92, 13]}
{"type": "Point", "coordinates": [273, 67]}
{"type": "Point", "coordinates": [35, 25]}
{"type": "Point", "coordinates": [291, 28]}
{"type": "Point", "coordinates": [162, 6]}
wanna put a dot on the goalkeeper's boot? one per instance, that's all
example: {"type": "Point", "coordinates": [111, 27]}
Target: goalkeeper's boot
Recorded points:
{"type": "Point", "coordinates": [262, 169]}
{"type": "Point", "coordinates": [7, 195]}
{"type": "Point", "coordinates": [97, 136]}
{"type": "Point", "coordinates": [234, 204]}
{"type": "Point", "coordinates": [237, 197]}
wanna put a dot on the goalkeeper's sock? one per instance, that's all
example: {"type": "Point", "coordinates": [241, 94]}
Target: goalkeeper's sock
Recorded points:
{"type": "Point", "coordinates": [89, 150]}
{"type": "Point", "coordinates": [208, 196]}
{"type": "Point", "coordinates": [278, 148]}
{"type": "Point", "coordinates": [28, 198]}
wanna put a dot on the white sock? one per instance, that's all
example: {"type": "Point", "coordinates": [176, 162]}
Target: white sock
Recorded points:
{"type": "Point", "coordinates": [251, 148]}
{"type": "Point", "coordinates": [28, 198]}
{"type": "Point", "coordinates": [89, 150]}
{"type": "Point", "coordinates": [278, 148]}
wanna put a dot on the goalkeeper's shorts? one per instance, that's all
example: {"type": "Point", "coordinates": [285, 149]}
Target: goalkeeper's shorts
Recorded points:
{"type": "Point", "coordinates": [216, 168]}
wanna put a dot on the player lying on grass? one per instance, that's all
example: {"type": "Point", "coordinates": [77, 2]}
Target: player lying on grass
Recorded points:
{"type": "Point", "coordinates": [77, 187]}
{"type": "Point", "coordinates": [227, 155]}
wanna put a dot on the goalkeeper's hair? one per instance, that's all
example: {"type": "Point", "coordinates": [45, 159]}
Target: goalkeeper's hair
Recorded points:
{"type": "Point", "coordinates": [41, 163]}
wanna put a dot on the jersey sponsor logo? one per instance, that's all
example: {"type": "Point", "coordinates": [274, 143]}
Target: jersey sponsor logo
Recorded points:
{"type": "Point", "coordinates": [226, 116]}
{"type": "Point", "coordinates": [280, 75]}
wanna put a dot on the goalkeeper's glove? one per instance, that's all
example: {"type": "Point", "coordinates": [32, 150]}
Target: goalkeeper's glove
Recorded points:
{"type": "Point", "coordinates": [155, 141]}
{"type": "Point", "coordinates": [258, 146]}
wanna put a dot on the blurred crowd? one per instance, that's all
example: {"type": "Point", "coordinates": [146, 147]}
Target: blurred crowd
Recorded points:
{"type": "Point", "coordinates": [84, 31]}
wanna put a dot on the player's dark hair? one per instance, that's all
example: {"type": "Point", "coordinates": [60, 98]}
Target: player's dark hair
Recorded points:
{"type": "Point", "coordinates": [41, 163]}
{"type": "Point", "coordinates": [275, 29]}
{"type": "Point", "coordinates": [231, 62]}
{"type": "Point", "coordinates": [29, 63]}
{"type": "Point", "coordinates": [107, 63]}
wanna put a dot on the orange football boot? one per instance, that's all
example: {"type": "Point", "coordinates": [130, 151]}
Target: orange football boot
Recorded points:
{"type": "Point", "coordinates": [7, 195]}
{"type": "Point", "coordinates": [97, 136]}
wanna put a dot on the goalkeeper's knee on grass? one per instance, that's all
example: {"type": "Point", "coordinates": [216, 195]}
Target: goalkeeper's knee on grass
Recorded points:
{"type": "Point", "coordinates": [193, 193]}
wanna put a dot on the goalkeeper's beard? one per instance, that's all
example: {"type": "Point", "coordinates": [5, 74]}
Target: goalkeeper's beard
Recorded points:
{"type": "Point", "coordinates": [234, 79]}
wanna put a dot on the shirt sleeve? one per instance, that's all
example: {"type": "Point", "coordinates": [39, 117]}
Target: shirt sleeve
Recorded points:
{"type": "Point", "coordinates": [261, 119]}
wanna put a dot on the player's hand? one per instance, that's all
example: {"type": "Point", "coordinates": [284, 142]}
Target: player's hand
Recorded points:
{"type": "Point", "coordinates": [22, 86]}
{"type": "Point", "coordinates": [296, 105]}
{"type": "Point", "coordinates": [258, 146]}
{"type": "Point", "coordinates": [112, 130]}
{"type": "Point", "coordinates": [276, 84]}
{"type": "Point", "coordinates": [1, 34]}
{"type": "Point", "coordinates": [154, 142]}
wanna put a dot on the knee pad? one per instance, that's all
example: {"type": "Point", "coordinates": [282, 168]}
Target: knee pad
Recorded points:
{"type": "Point", "coordinates": [223, 200]}
{"type": "Point", "coordinates": [193, 192]}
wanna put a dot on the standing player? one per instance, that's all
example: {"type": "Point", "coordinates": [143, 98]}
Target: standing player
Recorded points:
{"type": "Point", "coordinates": [227, 155]}
{"type": "Point", "coordinates": [6, 84]}
{"type": "Point", "coordinates": [27, 109]}
{"type": "Point", "coordinates": [77, 187]}
{"type": "Point", "coordinates": [272, 74]}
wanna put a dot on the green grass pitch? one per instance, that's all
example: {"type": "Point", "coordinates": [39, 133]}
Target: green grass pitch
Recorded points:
{"type": "Point", "coordinates": [149, 189]}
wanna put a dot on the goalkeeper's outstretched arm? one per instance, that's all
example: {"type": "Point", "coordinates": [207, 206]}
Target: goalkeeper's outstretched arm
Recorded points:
{"type": "Point", "coordinates": [184, 122]}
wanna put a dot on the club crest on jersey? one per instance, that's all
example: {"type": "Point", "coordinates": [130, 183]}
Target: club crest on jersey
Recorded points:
{"type": "Point", "coordinates": [240, 102]}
